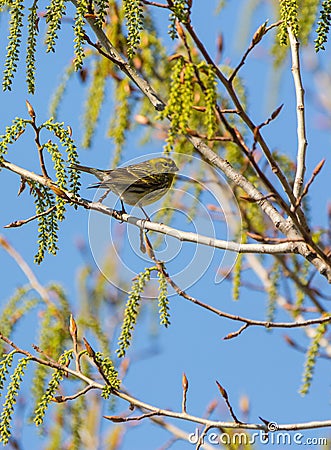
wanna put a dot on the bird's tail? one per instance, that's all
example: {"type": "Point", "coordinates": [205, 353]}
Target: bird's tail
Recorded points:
{"type": "Point", "coordinates": [91, 170]}
{"type": "Point", "coordinates": [96, 186]}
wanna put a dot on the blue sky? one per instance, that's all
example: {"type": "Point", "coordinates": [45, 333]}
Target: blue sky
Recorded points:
{"type": "Point", "coordinates": [258, 363]}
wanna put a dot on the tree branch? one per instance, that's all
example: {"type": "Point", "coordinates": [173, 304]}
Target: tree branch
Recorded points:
{"type": "Point", "coordinates": [116, 57]}
{"type": "Point", "coordinates": [266, 324]}
{"type": "Point", "coordinates": [290, 246]}
{"type": "Point", "coordinates": [165, 412]}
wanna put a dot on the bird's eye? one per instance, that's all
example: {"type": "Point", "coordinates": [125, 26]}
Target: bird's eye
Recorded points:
{"type": "Point", "coordinates": [163, 165]}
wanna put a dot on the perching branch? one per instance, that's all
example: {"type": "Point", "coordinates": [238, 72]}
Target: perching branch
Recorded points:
{"type": "Point", "coordinates": [291, 246]}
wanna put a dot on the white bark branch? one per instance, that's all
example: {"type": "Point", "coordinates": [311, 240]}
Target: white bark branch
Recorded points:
{"type": "Point", "coordinates": [285, 247]}
{"type": "Point", "coordinates": [300, 109]}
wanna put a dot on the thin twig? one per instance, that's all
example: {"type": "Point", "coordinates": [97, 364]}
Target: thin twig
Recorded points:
{"type": "Point", "coordinates": [65, 398]}
{"type": "Point", "coordinates": [305, 190]}
{"type": "Point", "coordinates": [263, 29]}
{"type": "Point", "coordinates": [268, 239]}
{"type": "Point", "coordinates": [302, 349]}
{"type": "Point", "coordinates": [120, 419]}
{"type": "Point", "coordinates": [116, 57]}
{"type": "Point", "coordinates": [42, 352]}
{"type": "Point", "coordinates": [92, 355]}
{"type": "Point", "coordinates": [22, 264]}
{"type": "Point", "coordinates": [40, 148]}
{"type": "Point", "coordinates": [229, 87]}
{"type": "Point", "coordinates": [73, 333]}
{"type": "Point", "coordinates": [19, 223]}
{"type": "Point", "coordinates": [202, 437]}
{"type": "Point", "coordinates": [236, 333]}
{"type": "Point", "coordinates": [227, 401]}
{"type": "Point", "coordinates": [177, 433]}
{"type": "Point", "coordinates": [302, 286]}
{"type": "Point", "coordinates": [264, 276]}
{"type": "Point", "coordinates": [159, 5]}
{"type": "Point", "coordinates": [185, 389]}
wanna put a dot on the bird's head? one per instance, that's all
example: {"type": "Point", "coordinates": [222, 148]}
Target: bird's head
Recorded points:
{"type": "Point", "coordinates": [164, 165]}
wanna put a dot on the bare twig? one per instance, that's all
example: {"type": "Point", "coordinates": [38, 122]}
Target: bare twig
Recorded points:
{"type": "Point", "coordinates": [301, 127]}
{"type": "Point", "coordinates": [202, 437]}
{"type": "Point", "coordinates": [185, 388]}
{"type": "Point", "coordinates": [159, 5]}
{"type": "Point", "coordinates": [92, 355]}
{"type": "Point", "coordinates": [273, 116]}
{"type": "Point", "coordinates": [73, 334]}
{"type": "Point", "coordinates": [177, 433]}
{"type": "Point", "coordinates": [19, 223]}
{"type": "Point", "coordinates": [116, 57]}
{"type": "Point", "coordinates": [228, 404]}
{"type": "Point", "coordinates": [304, 287]}
{"type": "Point", "coordinates": [120, 419]}
{"type": "Point", "coordinates": [40, 148]}
{"type": "Point", "coordinates": [229, 87]}
{"type": "Point", "coordinates": [303, 349]}
{"type": "Point", "coordinates": [305, 190]}
{"type": "Point", "coordinates": [22, 264]}
{"type": "Point", "coordinates": [260, 32]}
{"type": "Point", "coordinates": [42, 352]}
{"type": "Point", "coordinates": [268, 239]}
{"type": "Point", "coordinates": [263, 275]}
{"type": "Point", "coordinates": [65, 398]}
{"type": "Point", "coordinates": [236, 333]}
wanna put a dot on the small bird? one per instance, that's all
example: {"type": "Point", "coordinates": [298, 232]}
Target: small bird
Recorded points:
{"type": "Point", "coordinates": [138, 184]}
